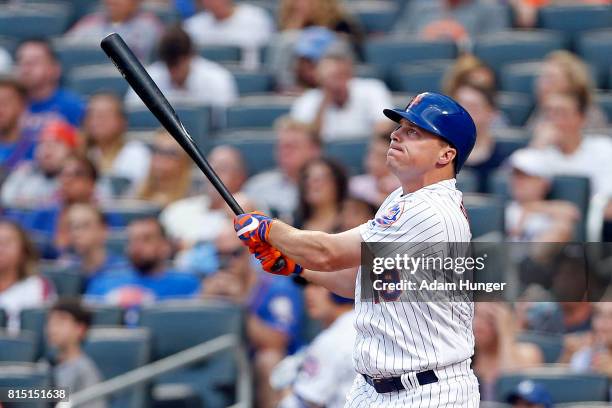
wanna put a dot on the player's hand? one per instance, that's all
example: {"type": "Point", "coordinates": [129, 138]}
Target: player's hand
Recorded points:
{"type": "Point", "coordinates": [252, 228]}
{"type": "Point", "coordinates": [269, 258]}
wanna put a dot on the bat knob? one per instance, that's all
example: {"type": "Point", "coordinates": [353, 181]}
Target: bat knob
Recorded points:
{"type": "Point", "coordinates": [279, 265]}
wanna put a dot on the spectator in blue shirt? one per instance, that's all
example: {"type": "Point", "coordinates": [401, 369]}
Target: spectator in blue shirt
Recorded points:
{"type": "Point", "coordinates": [148, 277]}
{"type": "Point", "coordinates": [39, 71]}
{"type": "Point", "coordinates": [274, 305]}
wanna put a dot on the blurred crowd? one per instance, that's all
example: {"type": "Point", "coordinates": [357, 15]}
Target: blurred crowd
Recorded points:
{"type": "Point", "coordinates": [130, 214]}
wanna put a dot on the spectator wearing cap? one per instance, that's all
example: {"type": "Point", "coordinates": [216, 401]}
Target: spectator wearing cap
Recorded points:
{"type": "Point", "coordinates": [140, 29]}
{"type": "Point", "coordinates": [34, 183]}
{"type": "Point", "coordinates": [343, 106]}
{"type": "Point", "coordinates": [221, 22]}
{"type": "Point", "coordinates": [182, 75]}
{"type": "Point", "coordinates": [39, 70]}
{"type": "Point", "coordinates": [66, 329]}
{"type": "Point", "coordinates": [529, 215]}
{"type": "Point", "coordinates": [530, 394]}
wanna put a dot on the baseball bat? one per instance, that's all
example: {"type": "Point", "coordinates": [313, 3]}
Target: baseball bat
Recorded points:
{"type": "Point", "coordinates": [144, 86]}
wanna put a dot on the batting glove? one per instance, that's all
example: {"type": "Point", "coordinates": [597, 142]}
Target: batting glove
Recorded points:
{"type": "Point", "coordinates": [269, 258]}
{"type": "Point", "coordinates": [253, 228]}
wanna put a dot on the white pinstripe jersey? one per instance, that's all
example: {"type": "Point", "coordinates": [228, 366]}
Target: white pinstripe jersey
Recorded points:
{"type": "Point", "coordinates": [394, 338]}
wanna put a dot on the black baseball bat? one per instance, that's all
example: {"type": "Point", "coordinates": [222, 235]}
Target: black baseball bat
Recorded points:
{"type": "Point", "coordinates": [140, 81]}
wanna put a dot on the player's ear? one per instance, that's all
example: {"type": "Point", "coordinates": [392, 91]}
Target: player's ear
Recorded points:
{"type": "Point", "coordinates": [447, 154]}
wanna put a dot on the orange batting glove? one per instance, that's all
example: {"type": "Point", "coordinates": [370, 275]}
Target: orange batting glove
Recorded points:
{"type": "Point", "coordinates": [273, 261]}
{"type": "Point", "coordinates": [253, 228]}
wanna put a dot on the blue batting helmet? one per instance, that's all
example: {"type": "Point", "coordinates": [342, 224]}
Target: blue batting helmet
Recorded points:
{"type": "Point", "coordinates": [442, 116]}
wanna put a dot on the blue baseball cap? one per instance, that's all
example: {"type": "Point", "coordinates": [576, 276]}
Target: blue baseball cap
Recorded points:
{"type": "Point", "coordinates": [313, 42]}
{"type": "Point", "coordinates": [531, 392]}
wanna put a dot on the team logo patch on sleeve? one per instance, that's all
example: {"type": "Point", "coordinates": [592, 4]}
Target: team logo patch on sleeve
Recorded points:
{"type": "Point", "coordinates": [390, 215]}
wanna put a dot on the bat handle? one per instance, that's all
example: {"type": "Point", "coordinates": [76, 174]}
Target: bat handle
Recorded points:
{"type": "Point", "coordinates": [279, 265]}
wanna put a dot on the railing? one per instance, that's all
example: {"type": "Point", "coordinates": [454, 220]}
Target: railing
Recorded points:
{"type": "Point", "coordinates": [170, 363]}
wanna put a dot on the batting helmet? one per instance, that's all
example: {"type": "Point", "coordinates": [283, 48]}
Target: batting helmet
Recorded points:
{"type": "Point", "coordinates": [442, 116]}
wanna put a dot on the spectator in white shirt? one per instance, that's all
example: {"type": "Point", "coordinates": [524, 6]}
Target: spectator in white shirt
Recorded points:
{"type": "Point", "coordinates": [296, 145]}
{"type": "Point", "coordinates": [343, 106]}
{"type": "Point", "coordinates": [224, 23]}
{"type": "Point", "coordinates": [183, 76]}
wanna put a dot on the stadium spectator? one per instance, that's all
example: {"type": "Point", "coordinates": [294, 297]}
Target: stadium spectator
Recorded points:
{"type": "Point", "coordinates": [497, 350]}
{"type": "Point", "coordinates": [355, 211]}
{"type": "Point", "coordinates": [87, 234]}
{"type": "Point", "coordinates": [104, 128]}
{"type": "Point", "coordinates": [182, 75]}
{"type": "Point", "coordinates": [530, 216]}
{"type": "Point", "coordinates": [18, 133]}
{"type": "Point", "coordinates": [39, 71]}
{"type": "Point", "coordinates": [468, 69]}
{"type": "Point", "coordinates": [148, 277]}
{"type": "Point", "coordinates": [322, 187]}
{"type": "Point", "coordinates": [323, 373]}
{"type": "Point", "coordinates": [486, 156]}
{"type": "Point", "coordinates": [296, 145]}
{"type": "Point", "coordinates": [343, 106]}
{"type": "Point", "coordinates": [378, 182]}
{"type": "Point", "coordinates": [529, 394]}
{"type": "Point", "coordinates": [224, 23]}
{"type": "Point", "coordinates": [184, 219]}
{"type": "Point", "coordinates": [274, 307]}
{"type": "Point", "coordinates": [563, 72]}
{"type": "Point", "coordinates": [21, 286]}
{"type": "Point", "coordinates": [140, 29]}
{"type": "Point", "coordinates": [67, 325]}
{"type": "Point", "coordinates": [34, 183]}
{"type": "Point", "coordinates": [457, 20]}
{"type": "Point", "coordinates": [169, 178]}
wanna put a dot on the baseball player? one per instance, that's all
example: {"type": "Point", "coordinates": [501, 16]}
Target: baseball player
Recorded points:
{"type": "Point", "coordinates": [406, 353]}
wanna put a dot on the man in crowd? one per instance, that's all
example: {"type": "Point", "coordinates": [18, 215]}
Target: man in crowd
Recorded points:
{"type": "Point", "coordinates": [39, 70]}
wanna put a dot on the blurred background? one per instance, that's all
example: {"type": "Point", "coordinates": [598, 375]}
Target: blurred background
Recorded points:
{"type": "Point", "coordinates": [117, 255]}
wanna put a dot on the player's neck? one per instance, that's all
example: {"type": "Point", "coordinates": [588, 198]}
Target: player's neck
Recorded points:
{"type": "Point", "coordinates": [413, 184]}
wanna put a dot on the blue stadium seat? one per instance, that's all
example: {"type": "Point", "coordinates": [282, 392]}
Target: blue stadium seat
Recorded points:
{"type": "Point", "coordinates": [576, 190]}
{"type": "Point", "coordinates": [388, 52]}
{"type": "Point", "coordinates": [563, 386]}
{"type": "Point", "coordinates": [485, 212]}
{"type": "Point", "coordinates": [367, 71]}
{"type": "Point", "coordinates": [374, 17]}
{"type": "Point", "coordinates": [128, 211]}
{"type": "Point", "coordinates": [350, 153]}
{"type": "Point", "coordinates": [220, 53]}
{"type": "Point", "coordinates": [257, 153]}
{"type": "Point", "coordinates": [196, 118]}
{"type": "Point", "coordinates": [257, 112]}
{"type": "Point", "coordinates": [176, 326]}
{"type": "Point", "coordinates": [94, 79]}
{"type": "Point", "coordinates": [467, 181]}
{"type": "Point", "coordinates": [420, 77]}
{"type": "Point", "coordinates": [116, 351]}
{"type": "Point", "coordinates": [511, 139]}
{"type": "Point", "coordinates": [17, 348]}
{"type": "Point", "coordinates": [550, 344]}
{"type": "Point", "coordinates": [517, 107]}
{"type": "Point", "coordinates": [604, 100]}
{"type": "Point", "coordinates": [595, 47]}
{"type": "Point", "coordinates": [67, 282]}
{"type": "Point", "coordinates": [9, 44]}
{"type": "Point", "coordinates": [570, 20]}
{"type": "Point", "coordinates": [498, 49]}
{"type": "Point", "coordinates": [33, 21]}
{"type": "Point", "coordinates": [25, 376]}
{"type": "Point", "coordinates": [519, 77]}
{"type": "Point", "coordinates": [73, 54]}
{"type": "Point", "coordinates": [249, 82]}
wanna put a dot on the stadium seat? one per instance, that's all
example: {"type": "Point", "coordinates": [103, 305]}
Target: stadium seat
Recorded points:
{"type": "Point", "coordinates": [563, 387]}
{"type": "Point", "coordinates": [176, 396]}
{"type": "Point", "coordinates": [367, 71]}
{"type": "Point", "coordinates": [374, 17]}
{"type": "Point", "coordinates": [605, 101]}
{"type": "Point", "coordinates": [257, 112]}
{"type": "Point", "coordinates": [517, 107]}
{"type": "Point", "coordinates": [116, 351]}
{"type": "Point", "coordinates": [511, 139]}
{"type": "Point", "coordinates": [420, 77]}
{"type": "Point", "coordinates": [519, 77]}
{"type": "Point", "coordinates": [25, 376]}
{"type": "Point", "coordinates": [67, 282]}
{"type": "Point", "coordinates": [595, 47]}
{"type": "Point", "coordinates": [117, 241]}
{"type": "Point", "coordinates": [467, 181]}
{"type": "Point", "coordinates": [485, 212]}
{"type": "Point", "coordinates": [196, 118]}
{"type": "Point", "coordinates": [17, 348]}
{"type": "Point", "coordinates": [350, 153]}
{"type": "Point", "coordinates": [176, 326]}
{"type": "Point", "coordinates": [130, 210]}
{"type": "Point", "coordinates": [220, 53]}
{"type": "Point", "coordinates": [570, 20]}
{"type": "Point", "coordinates": [9, 44]}
{"type": "Point", "coordinates": [73, 54]}
{"type": "Point", "coordinates": [498, 49]}
{"type": "Point", "coordinates": [576, 190]}
{"type": "Point", "coordinates": [94, 79]}
{"type": "Point", "coordinates": [33, 21]}
{"type": "Point", "coordinates": [249, 82]}
{"type": "Point", "coordinates": [550, 344]}
{"type": "Point", "coordinates": [388, 52]}
{"type": "Point", "coordinates": [258, 154]}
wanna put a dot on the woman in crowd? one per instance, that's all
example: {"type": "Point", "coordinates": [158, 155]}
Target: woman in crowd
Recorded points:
{"type": "Point", "coordinates": [322, 189]}
{"type": "Point", "coordinates": [21, 286]}
{"type": "Point", "coordinates": [468, 69]}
